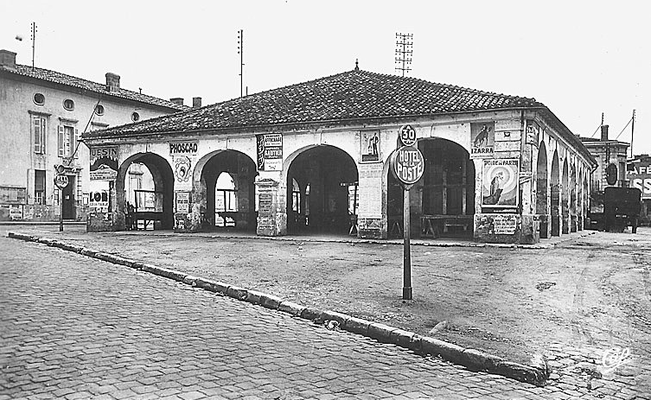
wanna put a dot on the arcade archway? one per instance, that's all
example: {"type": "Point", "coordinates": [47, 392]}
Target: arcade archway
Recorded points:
{"type": "Point", "coordinates": [150, 202]}
{"type": "Point", "coordinates": [322, 191]}
{"type": "Point", "coordinates": [442, 202]}
{"type": "Point", "coordinates": [227, 190]}
{"type": "Point", "coordinates": [555, 196]}
{"type": "Point", "coordinates": [542, 190]}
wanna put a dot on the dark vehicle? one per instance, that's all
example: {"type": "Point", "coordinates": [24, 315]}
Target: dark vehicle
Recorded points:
{"type": "Point", "coordinates": [621, 208]}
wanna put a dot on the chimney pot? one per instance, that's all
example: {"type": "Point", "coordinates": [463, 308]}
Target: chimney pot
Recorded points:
{"type": "Point", "coordinates": [604, 133]}
{"type": "Point", "coordinates": [196, 102]}
{"type": "Point", "coordinates": [7, 58]}
{"type": "Point", "coordinates": [177, 100]}
{"type": "Point", "coordinates": [112, 82]}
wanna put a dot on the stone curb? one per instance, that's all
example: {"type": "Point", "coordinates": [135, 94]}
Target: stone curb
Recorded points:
{"type": "Point", "coordinates": [474, 360]}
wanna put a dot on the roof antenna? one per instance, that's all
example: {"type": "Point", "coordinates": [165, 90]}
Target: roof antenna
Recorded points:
{"type": "Point", "coordinates": [404, 51]}
{"type": "Point", "coordinates": [240, 51]}
{"type": "Point", "coordinates": [33, 43]}
{"type": "Point", "coordinates": [356, 64]}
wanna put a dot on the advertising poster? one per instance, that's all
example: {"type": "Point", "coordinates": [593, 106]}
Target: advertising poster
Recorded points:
{"type": "Point", "coordinates": [103, 163]}
{"type": "Point", "coordinates": [500, 183]}
{"type": "Point", "coordinates": [183, 202]}
{"type": "Point", "coordinates": [639, 174]}
{"type": "Point", "coordinates": [270, 152]}
{"type": "Point", "coordinates": [183, 156]}
{"type": "Point", "coordinates": [482, 139]}
{"type": "Point", "coordinates": [370, 146]}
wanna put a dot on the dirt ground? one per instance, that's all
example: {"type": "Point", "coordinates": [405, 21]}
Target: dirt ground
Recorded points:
{"type": "Point", "coordinates": [590, 290]}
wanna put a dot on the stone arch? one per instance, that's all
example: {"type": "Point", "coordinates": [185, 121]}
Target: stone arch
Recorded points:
{"type": "Point", "coordinates": [331, 175]}
{"type": "Point", "coordinates": [163, 193]}
{"type": "Point", "coordinates": [555, 195]}
{"type": "Point", "coordinates": [573, 198]}
{"type": "Point", "coordinates": [243, 171]}
{"type": "Point", "coordinates": [443, 201]}
{"type": "Point", "coordinates": [542, 190]}
{"type": "Point", "coordinates": [565, 197]}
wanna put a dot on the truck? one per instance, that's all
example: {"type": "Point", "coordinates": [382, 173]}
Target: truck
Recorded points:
{"type": "Point", "coordinates": [621, 208]}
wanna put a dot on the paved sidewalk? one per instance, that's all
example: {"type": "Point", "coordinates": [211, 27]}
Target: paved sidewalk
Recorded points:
{"type": "Point", "coordinates": [74, 327]}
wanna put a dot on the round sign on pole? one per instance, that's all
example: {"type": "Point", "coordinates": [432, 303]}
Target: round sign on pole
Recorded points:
{"type": "Point", "coordinates": [408, 165]}
{"type": "Point", "coordinates": [61, 181]}
{"type": "Point", "coordinates": [407, 135]}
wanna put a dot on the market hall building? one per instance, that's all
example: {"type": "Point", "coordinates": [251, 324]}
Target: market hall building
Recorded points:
{"type": "Point", "coordinates": [312, 158]}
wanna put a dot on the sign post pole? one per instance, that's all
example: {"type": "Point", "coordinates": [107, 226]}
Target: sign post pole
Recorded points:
{"type": "Point", "coordinates": [406, 281]}
{"type": "Point", "coordinates": [60, 181]}
{"type": "Point", "coordinates": [408, 166]}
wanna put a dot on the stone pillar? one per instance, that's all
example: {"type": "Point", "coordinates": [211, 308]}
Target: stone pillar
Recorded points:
{"type": "Point", "coordinates": [272, 209]}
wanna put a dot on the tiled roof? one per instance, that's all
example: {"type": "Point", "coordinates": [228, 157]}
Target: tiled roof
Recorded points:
{"type": "Point", "coordinates": [354, 95]}
{"type": "Point", "coordinates": [68, 80]}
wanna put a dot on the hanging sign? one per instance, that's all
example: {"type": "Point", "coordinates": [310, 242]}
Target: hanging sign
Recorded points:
{"type": "Point", "coordinates": [61, 181]}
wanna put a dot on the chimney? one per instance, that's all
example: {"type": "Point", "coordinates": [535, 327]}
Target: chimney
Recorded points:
{"type": "Point", "coordinates": [604, 133]}
{"type": "Point", "coordinates": [177, 100]}
{"type": "Point", "coordinates": [196, 102]}
{"type": "Point", "coordinates": [112, 82]}
{"type": "Point", "coordinates": [7, 58]}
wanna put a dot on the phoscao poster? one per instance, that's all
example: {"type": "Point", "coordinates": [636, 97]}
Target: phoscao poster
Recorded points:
{"type": "Point", "coordinates": [500, 183]}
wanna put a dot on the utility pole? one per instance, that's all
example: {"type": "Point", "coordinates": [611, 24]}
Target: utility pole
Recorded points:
{"type": "Point", "coordinates": [404, 51]}
{"type": "Point", "coordinates": [632, 131]}
{"type": "Point", "coordinates": [240, 51]}
{"type": "Point", "coordinates": [33, 37]}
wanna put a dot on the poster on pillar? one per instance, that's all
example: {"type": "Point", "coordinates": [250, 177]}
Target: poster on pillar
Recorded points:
{"type": "Point", "coordinates": [370, 146]}
{"type": "Point", "coordinates": [183, 156]}
{"type": "Point", "coordinates": [103, 163]}
{"type": "Point", "coordinates": [269, 151]}
{"type": "Point", "coordinates": [500, 183]}
{"type": "Point", "coordinates": [482, 139]}
{"type": "Point", "coordinates": [533, 133]}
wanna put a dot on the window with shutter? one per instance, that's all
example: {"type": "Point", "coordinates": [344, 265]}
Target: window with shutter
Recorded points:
{"type": "Point", "coordinates": [75, 142]}
{"type": "Point", "coordinates": [39, 129]}
{"type": "Point", "coordinates": [60, 140]}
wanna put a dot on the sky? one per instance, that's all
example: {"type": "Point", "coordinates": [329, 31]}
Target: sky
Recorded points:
{"type": "Point", "coordinates": [579, 58]}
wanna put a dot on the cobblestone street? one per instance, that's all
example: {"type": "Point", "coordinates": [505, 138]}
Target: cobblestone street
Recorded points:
{"type": "Point", "coordinates": [74, 328]}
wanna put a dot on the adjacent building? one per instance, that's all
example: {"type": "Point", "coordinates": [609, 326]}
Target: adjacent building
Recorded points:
{"type": "Point", "coordinates": [43, 114]}
{"type": "Point", "coordinates": [638, 175]}
{"type": "Point", "coordinates": [314, 157]}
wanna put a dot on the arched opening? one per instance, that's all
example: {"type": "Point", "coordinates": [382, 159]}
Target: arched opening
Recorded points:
{"type": "Point", "coordinates": [145, 193]}
{"type": "Point", "coordinates": [322, 191]}
{"type": "Point", "coordinates": [442, 202]}
{"type": "Point", "coordinates": [542, 191]}
{"type": "Point", "coordinates": [565, 198]}
{"type": "Point", "coordinates": [573, 200]}
{"type": "Point", "coordinates": [227, 178]}
{"type": "Point", "coordinates": [225, 200]}
{"type": "Point", "coordinates": [555, 189]}
{"type": "Point", "coordinates": [586, 202]}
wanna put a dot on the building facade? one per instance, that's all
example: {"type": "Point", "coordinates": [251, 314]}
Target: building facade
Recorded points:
{"type": "Point", "coordinates": [638, 175]}
{"type": "Point", "coordinates": [611, 157]}
{"type": "Point", "coordinates": [43, 114]}
{"type": "Point", "coordinates": [314, 157]}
